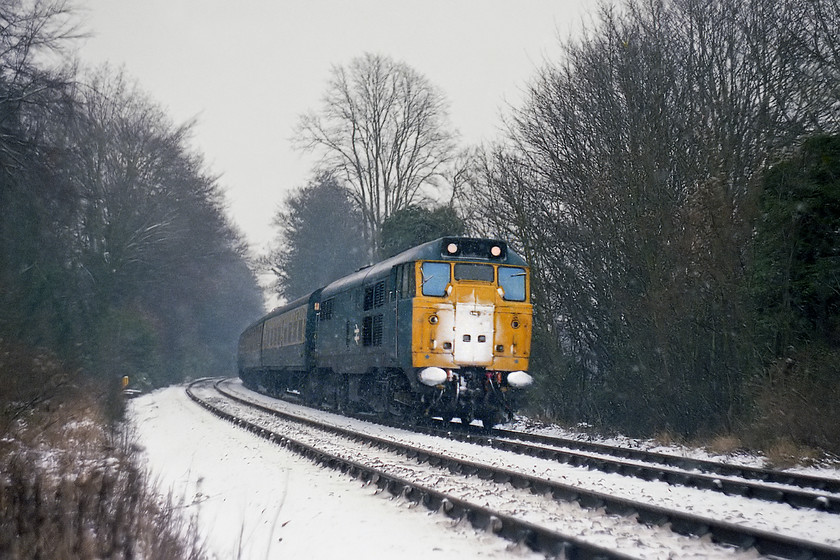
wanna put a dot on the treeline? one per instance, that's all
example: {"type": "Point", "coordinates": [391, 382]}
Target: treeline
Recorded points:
{"type": "Point", "coordinates": [669, 184]}
{"type": "Point", "coordinates": [115, 253]}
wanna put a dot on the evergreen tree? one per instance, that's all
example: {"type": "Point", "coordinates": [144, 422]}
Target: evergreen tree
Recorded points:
{"type": "Point", "coordinates": [414, 225]}
{"type": "Point", "coordinates": [320, 238]}
{"type": "Point", "coordinates": [797, 266]}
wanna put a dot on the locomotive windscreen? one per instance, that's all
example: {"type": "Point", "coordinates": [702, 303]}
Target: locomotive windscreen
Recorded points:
{"type": "Point", "coordinates": [472, 271]}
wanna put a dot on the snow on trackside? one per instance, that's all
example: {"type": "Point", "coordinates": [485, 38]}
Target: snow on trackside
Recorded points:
{"type": "Point", "coordinates": [253, 499]}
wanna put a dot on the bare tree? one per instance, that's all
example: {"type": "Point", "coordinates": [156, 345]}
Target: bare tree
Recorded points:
{"type": "Point", "coordinates": [635, 165]}
{"type": "Point", "coordinates": [382, 128]}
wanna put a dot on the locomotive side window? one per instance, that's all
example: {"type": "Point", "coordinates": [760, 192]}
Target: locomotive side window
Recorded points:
{"type": "Point", "coordinates": [405, 281]}
{"type": "Point", "coordinates": [472, 271]}
{"type": "Point", "coordinates": [435, 278]}
{"type": "Point", "coordinates": [512, 281]}
{"type": "Point", "coordinates": [407, 288]}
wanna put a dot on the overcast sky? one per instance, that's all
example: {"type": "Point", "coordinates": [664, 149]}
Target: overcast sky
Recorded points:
{"type": "Point", "coordinates": [247, 70]}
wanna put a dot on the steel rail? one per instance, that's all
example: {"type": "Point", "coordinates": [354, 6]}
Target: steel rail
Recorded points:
{"type": "Point", "coordinates": [721, 532]}
{"type": "Point", "coordinates": [672, 474]}
{"type": "Point", "coordinates": [724, 469]}
{"type": "Point", "coordinates": [535, 537]}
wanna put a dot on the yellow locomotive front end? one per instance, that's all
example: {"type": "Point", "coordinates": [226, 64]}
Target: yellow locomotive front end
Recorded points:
{"type": "Point", "coordinates": [471, 330]}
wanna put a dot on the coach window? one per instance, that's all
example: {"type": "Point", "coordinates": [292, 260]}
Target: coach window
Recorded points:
{"type": "Point", "coordinates": [435, 278]}
{"type": "Point", "coordinates": [512, 281]}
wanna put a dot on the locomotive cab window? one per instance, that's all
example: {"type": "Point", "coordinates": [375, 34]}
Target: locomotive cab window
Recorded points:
{"type": "Point", "coordinates": [435, 278]}
{"type": "Point", "coordinates": [473, 271]}
{"type": "Point", "coordinates": [512, 281]}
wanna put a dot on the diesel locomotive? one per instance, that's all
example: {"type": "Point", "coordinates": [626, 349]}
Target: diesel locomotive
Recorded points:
{"type": "Point", "coordinates": [440, 330]}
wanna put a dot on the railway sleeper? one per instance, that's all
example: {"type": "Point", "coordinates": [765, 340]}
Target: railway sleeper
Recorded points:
{"type": "Point", "coordinates": [485, 473]}
{"type": "Point", "coordinates": [589, 501]}
{"type": "Point", "coordinates": [732, 537]}
{"type": "Point", "coordinates": [453, 510]}
{"type": "Point", "coordinates": [620, 508]}
{"type": "Point", "coordinates": [395, 487]}
{"type": "Point", "coordinates": [413, 494]}
{"type": "Point", "coordinates": [520, 482]}
{"type": "Point", "coordinates": [565, 494]}
{"type": "Point", "coordinates": [539, 488]}
{"type": "Point", "coordinates": [768, 494]}
{"type": "Point", "coordinates": [432, 501]}
{"type": "Point", "coordinates": [652, 518]}
{"type": "Point", "coordinates": [469, 470]}
{"type": "Point", "coordinates": [733, 488]}
{"type": "Point", "coordinates": [484, 520]}
{"type": "Point", "coordinates": [689, 527]}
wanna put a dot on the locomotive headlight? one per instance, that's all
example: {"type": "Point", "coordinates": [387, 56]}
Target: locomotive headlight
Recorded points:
{"type": "Point", "coordinates": [519, 379]}
{"type": "Point", "coordinates": [496, 251]}
{"type": "Point", "coordinates": [434, 319]}
{"type": "Point", "coordinates": [452, 248]}
{"type": "Point", "coordinates": [432, 376]}
{"type": "Point", "coordinates": [515, 323]}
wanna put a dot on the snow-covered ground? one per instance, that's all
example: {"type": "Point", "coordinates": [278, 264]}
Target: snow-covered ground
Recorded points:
{"type": "Point", "coordinates": [256, 500]}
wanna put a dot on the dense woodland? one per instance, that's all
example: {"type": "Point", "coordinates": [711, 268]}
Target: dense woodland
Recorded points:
{"type": "Point", "coordinates": [116, 259]}
{"type": "Point", "coordinates": [116, 255]}
{"type": "Point", "coordinates": [674, 181]}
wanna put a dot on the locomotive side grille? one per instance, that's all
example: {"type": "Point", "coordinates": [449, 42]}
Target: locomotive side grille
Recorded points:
{"type": "Point", "coordinates": [374, 295]}
{"type": "Point", "coordinates": [372, 330]}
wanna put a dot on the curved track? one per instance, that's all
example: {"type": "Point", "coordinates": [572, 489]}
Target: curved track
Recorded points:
{"type": "Point", "coordinates": [537, 536]}
{"type": "Point", "coordinates": [800, 491]}
{"type": "Point", "coordinates": [823, 484]}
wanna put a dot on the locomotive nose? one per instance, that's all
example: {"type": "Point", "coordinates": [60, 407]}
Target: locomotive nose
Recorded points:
{"type": "Point", "coordinates": [473, 334]}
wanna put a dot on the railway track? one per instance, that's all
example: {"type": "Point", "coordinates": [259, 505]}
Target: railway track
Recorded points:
{"type": "Point", "coordinates": [399, 478]}
{"type": "Point", "coordinates": [820, 486]}
{"type": "Point", "coordinates": [796, 490]}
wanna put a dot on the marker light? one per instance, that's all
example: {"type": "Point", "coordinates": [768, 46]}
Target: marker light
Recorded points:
{"type": "Point", "coordinates": [452, 248]}
{"type": "Point", "coordinates": [496, 251]}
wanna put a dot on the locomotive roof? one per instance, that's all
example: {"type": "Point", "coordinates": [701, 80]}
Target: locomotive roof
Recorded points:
{"type": "Point", "coordinates": [432, 250]}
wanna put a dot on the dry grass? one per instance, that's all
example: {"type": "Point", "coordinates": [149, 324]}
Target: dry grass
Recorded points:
{"type": "Point", "coordinates": [666, 438]}
{"type": "Point", "coordinates": [70, 487]}
{"type": "Point", "coordinates": [784, 453]}
{"type": "Point", "coordinates": [725, 444]}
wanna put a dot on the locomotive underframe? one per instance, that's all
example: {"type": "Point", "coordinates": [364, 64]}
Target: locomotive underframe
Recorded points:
{"type": "Point", "coordinates": [469, 394]}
